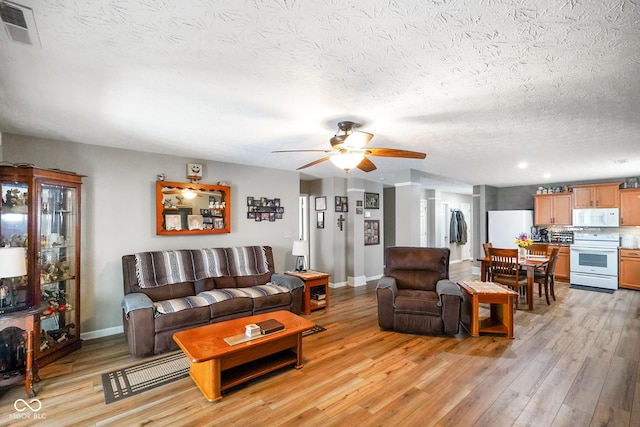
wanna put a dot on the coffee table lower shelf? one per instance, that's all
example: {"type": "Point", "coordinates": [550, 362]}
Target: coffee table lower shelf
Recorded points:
{"type": "Point", "coordinates": [251, 370]}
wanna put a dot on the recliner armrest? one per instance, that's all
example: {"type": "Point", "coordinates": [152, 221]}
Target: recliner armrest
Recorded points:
{"type": "Point", "coordinates": [135, 301]}
{"type": "Point", "coordinates": [386, 292]}
{"type": "Point", "coordinates": [386, 282]}
{"type": "Point", "coordinates": [447, 287]}
{"type": "Point", "coordinates": [290, 282]}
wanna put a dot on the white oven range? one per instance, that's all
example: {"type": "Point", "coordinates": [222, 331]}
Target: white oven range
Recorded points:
{"type": "Point", "coordinates": [594, 259]}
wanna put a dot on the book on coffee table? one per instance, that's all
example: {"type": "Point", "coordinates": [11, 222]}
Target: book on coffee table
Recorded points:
{"type": "Point", "coordinates": [270, 325]}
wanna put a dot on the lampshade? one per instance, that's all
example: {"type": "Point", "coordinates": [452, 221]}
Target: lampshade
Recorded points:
{"type": "Point", "coordinates": [357, 139]}
{"type": "Point", "coordinates": [300, 248]}
{"type": "Point", "coordinates": [12, 262]}
{"type": "Point", "coordinates": [347, 161]}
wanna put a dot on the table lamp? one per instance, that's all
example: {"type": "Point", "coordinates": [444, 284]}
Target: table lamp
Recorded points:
{"type": "Point", "coordinates": [300, 250]}
{"type": "Point", "coordinates": [12, 264]}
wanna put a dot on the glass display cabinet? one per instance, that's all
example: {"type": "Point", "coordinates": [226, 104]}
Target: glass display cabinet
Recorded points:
{"type": "Point", "coordinates": [40, 211]}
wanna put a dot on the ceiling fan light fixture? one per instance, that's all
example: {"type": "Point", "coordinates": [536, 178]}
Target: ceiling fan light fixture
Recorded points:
{"type": "Point", "coordinates": [357, 139]}
{"type": "Point", "coordinates": [347, 161]}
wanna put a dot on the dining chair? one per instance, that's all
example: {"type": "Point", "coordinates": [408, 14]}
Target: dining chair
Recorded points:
{"type": "Point", "coordinates": [539, 249]}
{"type": "Point", "coordinates": [485, 247]}
{"type": "Point", "coordinates": [504, 268]}
{"type": "Point", "coordinates": [548, 276]}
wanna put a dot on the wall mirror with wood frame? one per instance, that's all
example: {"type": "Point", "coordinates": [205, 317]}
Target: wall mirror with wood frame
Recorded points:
{"type": "Point", "coordinates": [187, 208]}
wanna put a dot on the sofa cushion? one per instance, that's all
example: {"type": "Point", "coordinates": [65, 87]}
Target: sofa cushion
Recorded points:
{"type": "Point", "coordinates": [264, 290]}
{"type": "Point", "coordinates": [179, 304]}
{"type": "Point", "coordinates": [224, 282]}
{"type": "Point", "coordinates": [210, 262]}
{"type": "Point", "coordinates": [225, 302]}
{"type": "Point", "coordinates": [413, 301]}
{"type": "Point", "coordinates": [247, 261]}
{"type": "Point", "coordinates": [163, 268]}
{"type": "Point", "coordinates": [180, 320]}
{"type": "Point", "coordinates": [167, 292]}
{"type": "Point", "coordinates": [268, 297]}
{"type": "Point", "coordinates": [217, 295]}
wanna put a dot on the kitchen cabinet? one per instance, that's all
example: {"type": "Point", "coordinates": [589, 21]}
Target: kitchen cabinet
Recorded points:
{"type": "Point", "coordinates": [596, 195]}
{"type": "Point", "coordinates": [552, 209]}
{"type": "Point", "coordinates": [630, 207]}
{"type": "Point", "coordinates": [563, 265]}
{"type": "Point", "coordinates": [40, 212]}
{"type": "Point", "coordinates": [629, 274]}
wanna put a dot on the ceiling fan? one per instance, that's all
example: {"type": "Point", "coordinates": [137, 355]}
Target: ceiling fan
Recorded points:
{"type": "Point", "coordinates": [348, 150]}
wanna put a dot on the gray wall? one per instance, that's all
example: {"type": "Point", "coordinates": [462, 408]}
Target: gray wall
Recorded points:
{"type": "Point", "coordinates": [389, 216]}
{"type": "Point", "coordinates": [342, 252]}
{"type": "Point", "coordinates": [118, 212]}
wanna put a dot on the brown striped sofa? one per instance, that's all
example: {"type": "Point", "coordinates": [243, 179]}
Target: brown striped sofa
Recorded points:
{"type": "Point", "coordinates": [169, 291]}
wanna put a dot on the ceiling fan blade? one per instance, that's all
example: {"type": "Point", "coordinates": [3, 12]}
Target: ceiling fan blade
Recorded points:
{"type": "Point", "coordinates": [302, 151]}
{"type": "Point", "coordinates": [314, 162]}
{"type": "Point", "coordinates": [392, 152]}
{"type": "Point", "coordinates": [366, 165]}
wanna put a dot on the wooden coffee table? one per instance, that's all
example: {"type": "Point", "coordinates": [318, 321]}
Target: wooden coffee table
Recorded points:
{"type": "Point", "coordinates": [500, 300]}
{"type": "Point", "coordinates": [216, 365]}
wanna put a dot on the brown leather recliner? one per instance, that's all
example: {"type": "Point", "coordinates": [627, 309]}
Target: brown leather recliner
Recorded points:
{"type": "Point", "coordinates": [415, 294]}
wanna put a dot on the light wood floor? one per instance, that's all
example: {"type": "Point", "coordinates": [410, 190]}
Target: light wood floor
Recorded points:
{"type": "Point", "coordinates": [574, 363]}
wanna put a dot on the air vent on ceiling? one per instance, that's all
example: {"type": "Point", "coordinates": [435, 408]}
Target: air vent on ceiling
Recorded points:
{"type": "Point", "coordinates": [19, 23]}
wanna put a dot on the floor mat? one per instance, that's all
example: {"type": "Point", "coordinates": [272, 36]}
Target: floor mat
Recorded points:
{"type": "Point", "coordinates": [127, 382]}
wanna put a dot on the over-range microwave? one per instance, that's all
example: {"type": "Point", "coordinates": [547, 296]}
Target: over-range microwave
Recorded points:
{"type": "Point", "coordinates": [599, 217]}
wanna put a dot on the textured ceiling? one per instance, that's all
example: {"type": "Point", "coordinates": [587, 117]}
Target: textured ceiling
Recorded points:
{"type": "Point", "coordinates": [478, 85]}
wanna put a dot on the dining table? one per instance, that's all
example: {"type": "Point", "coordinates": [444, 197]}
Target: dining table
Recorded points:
{"type": "Point", "coordinates": [529, 263]}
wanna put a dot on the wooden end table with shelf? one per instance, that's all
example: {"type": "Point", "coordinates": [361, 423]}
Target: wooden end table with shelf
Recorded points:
{"type": "Point", "coordinates": [313, 280]}
{"type": "Point", "coordinates": [500, 300]}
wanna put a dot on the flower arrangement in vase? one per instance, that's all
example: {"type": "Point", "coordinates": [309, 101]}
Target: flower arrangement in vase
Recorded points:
{"type": "Point", "coordinates": [523, 240]}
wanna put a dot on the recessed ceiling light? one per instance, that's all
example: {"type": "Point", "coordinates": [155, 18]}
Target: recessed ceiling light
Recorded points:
{"type": "Point", "coordinates": [546, 175]}
{"type": "Point", "coordinates": [522, 165]}
{"type": "Point", "coordinates": [621, 161]}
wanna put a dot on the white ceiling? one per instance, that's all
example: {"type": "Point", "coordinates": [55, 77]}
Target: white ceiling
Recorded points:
{"type": "Point", "coordinates": [479, 85]}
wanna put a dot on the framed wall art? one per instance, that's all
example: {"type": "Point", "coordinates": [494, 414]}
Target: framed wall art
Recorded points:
{"type": "Point", "coordinates": [341, 204]}
{"type": "Point", "coordinates": [320, 220]}
{"type": "Point", "coordinates": [321, 203]}
{"type": "Point", "coordinates": [371, 232]}
{"type": "Point", "coordinates": [371, 201]}
{"type": "Point", "coordinates": [264, 209]}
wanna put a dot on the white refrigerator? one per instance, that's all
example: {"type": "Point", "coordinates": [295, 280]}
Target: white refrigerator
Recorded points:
{"type": "Point", "coordinates": [505, 226]}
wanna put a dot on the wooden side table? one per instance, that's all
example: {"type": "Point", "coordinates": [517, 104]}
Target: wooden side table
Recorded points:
{"type": "Point", "coordinates": [500, 300]}
{"type": "Point", "coordinates": [314, 281]}
{"type": "Point", "coordinates": [27, 321]}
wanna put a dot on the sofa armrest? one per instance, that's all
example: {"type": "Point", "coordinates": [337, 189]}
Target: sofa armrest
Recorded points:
{"type": "Point", "coordinates": [386, 291]}
{"type": "Point", "coordinates": [135, 301]}
{"type": "Point", "coordinates": [447, 287]}
{"type": "Point", "coordinates": [290, 282]}
{"type": "Point", "coordinates": [138, 323]}
{"type": "Point", "coordinates": [295, 286]}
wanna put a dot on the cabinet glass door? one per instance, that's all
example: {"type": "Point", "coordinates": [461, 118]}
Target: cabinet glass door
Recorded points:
{"type": "Point", "coordinates": [57, 264]}
{"type": "Point", "coordinates": [14, 229]}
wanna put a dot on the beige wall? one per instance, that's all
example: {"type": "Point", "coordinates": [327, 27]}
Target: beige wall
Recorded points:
{"type": "Point", "coordinates": [118, 212]}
